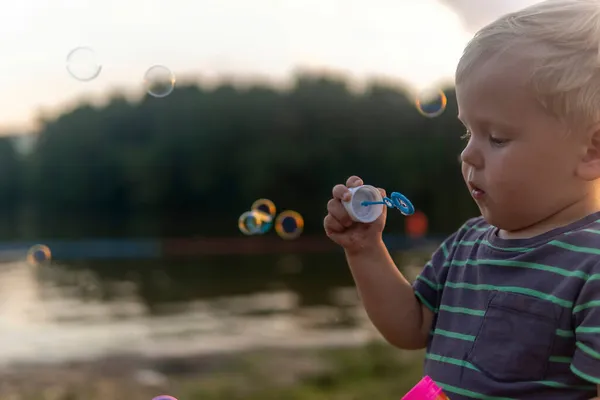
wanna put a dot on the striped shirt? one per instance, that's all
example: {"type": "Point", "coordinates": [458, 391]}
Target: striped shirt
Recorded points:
{"type": "Point", "coordinates": [515, 318]}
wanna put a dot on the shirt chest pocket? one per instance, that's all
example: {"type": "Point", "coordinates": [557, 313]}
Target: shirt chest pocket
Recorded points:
{"type": "Point", "coordinates": [515, 338]}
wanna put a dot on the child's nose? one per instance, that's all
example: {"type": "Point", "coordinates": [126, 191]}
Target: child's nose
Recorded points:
{"type": "Point", "coordinates": [472, 156]}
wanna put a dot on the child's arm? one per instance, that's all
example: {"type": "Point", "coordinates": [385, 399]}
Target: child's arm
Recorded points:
{"type": "Point", "coordinates": [389, 298]}
{"type": "Point", "coordinates": [403, 313]}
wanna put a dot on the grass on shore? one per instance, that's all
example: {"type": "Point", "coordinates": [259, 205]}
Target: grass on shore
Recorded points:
{"type": "Point", "coordinates": [376, 371]}
{"type": "Point", "coordinates": [372, 372]}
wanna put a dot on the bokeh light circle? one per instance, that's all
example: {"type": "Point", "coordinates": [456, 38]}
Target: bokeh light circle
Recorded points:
{"type": "Point", "coordinates": [431, 103]}
{"type": "Point", "coordinates": [159, 81]}
{"type": "Point", "coordinates": [82, 64]}
{"type": "Point", "coordinates": [39, 255]}
{"type": "Point", "coordinates": [289, 224]}
{"type": "Point", "coordinates": [254, 222]}
{"type": "Point", "coordinates": [264, 205]}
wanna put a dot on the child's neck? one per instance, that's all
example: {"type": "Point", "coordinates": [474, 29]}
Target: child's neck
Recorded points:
{"type": "Point", "coordinates": [572, 213]}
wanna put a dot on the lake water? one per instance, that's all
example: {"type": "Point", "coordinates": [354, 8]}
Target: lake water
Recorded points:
{"type": "Point", "coordinates": [69, 310]}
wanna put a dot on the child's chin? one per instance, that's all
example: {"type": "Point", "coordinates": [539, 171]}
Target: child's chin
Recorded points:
{"type": "Point", "coordinates": [488, 216]}
{"type": "Point", "coordinates": [493, 220]}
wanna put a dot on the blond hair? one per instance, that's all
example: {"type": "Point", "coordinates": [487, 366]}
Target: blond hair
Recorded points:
{"type": "Point", "coordinates": [560, 41]}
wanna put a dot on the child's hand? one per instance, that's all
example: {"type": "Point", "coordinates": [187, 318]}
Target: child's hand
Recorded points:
{"type": "Point", "coordinates": [352, 236]}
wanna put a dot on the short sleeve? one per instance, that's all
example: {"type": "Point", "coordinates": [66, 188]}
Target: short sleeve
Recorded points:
{"type": "Point", "coordinates": [429, 283]}
{"type": "Point", "coordinates": [586, 316]}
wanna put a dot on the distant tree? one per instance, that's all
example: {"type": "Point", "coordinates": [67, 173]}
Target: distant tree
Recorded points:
{"type": "Point", "coordinates": [212, 152]}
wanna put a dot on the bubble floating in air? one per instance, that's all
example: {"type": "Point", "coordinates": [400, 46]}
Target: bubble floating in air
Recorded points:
{"type": "Point", "coordinates": [82, 64]}
{"type": "Point", "coordinates": [164, 397]}
{"type": "Point", "coordinates": [264, 205]}
{"type": "Point", "coordinates": [431, 103]}
{"type": "Point", "coordinates": [159, 81]}
{"type": "Point", "coordinates": [289, 224]}
{"type": "Point", "coordinates": [39, 255]}
{"type": "Point", "coordinates": [254, 222]}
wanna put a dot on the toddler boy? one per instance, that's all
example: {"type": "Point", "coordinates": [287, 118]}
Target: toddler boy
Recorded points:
{"type": "Point", "coordinates": [509, 306]}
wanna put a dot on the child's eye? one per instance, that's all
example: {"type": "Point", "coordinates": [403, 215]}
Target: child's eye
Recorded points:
{"type": "Point", "coordinates": [497, 141]}
{"type": "Point", "coordinates": [467, 135]}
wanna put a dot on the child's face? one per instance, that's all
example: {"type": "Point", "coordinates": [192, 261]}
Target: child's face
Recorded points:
{"type": "Point", "coordinates": [518, 155]}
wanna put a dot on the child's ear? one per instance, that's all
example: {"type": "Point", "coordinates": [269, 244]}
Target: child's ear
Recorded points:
{"type": "Point", "coordinates": [589, 167]}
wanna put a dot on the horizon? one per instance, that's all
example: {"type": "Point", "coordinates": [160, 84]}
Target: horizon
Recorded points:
{"type": "Point", "coordinates": [218, 39]}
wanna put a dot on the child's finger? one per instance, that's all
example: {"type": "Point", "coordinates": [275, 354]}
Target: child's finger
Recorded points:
{"type": "Point", "coordinates": [341, 192]}
{"type": "Point", "coordinates": [338, 211]}
{"type": "Point", "coordinates": [354, 181]}
{"type": "Point", "coordinates": [332, 225]}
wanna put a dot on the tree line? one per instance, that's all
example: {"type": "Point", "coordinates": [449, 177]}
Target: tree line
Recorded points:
{"type": "Point", "coordinates": [210, 152]}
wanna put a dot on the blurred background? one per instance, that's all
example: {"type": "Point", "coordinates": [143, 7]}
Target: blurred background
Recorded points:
{"type": "Point", "coordinates": [135, 134]}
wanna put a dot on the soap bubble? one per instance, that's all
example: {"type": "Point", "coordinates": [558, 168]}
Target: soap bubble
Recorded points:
{"type": "Point", "coordinates": [82, 64]}
{"type": "Point", "coordinates": [159, 81]}
{"type": "Point", "coordinates": [264, 205]}
{"type": "Point", "coordinates": [39, 255]}
{"type": "Point", "coordinates": [289, 224]}
{"type": "Point", "coordinates": [255, 222]}
{"type": "Point", "coordinates": [431, 103]}
{"type": "Point", "coordinates": [164, 397]}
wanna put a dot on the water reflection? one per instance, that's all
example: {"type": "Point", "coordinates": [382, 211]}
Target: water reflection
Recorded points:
{"type": "Point", "coordinates": [75, 310]}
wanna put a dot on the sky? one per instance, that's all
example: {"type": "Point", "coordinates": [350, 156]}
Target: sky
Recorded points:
{"type": "Point", "coordinates": [417, 42]}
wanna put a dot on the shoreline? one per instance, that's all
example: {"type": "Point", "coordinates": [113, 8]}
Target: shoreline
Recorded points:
{"type": "Point", "coordinates": [147, 356]}
{"type": "Point", "coordinates": [157, 248]}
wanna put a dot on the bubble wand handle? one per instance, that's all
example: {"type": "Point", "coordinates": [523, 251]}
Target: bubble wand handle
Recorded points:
{"type": "Point", "coordinates": [396, 200]}
{"type": "Point", "coordinates": [426, 389]}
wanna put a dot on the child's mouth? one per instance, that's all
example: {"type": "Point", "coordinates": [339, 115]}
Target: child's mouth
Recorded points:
{"type": "Point", "coordinates": [476, 192]}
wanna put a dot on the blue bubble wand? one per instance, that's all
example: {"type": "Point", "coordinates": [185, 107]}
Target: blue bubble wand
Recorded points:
{"type": "Point", "coordinates": [396, 200]}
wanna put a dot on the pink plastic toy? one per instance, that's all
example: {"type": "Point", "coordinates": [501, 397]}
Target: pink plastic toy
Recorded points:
{"type": "Point", "coordinates": [426, 389]}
